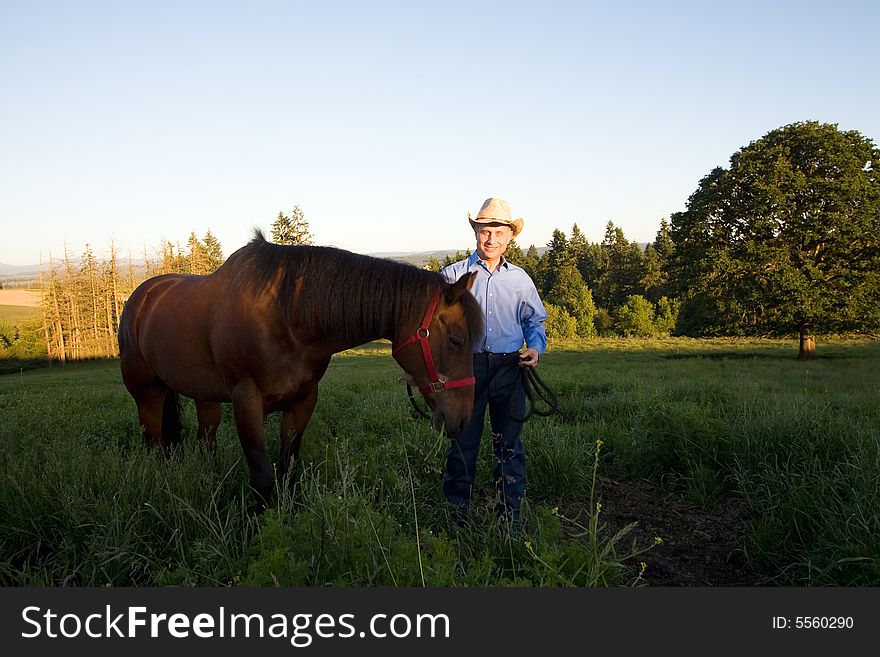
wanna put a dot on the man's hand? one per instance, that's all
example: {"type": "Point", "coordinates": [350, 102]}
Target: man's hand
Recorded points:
{"type": "Point", "coordinates": [528, 358]}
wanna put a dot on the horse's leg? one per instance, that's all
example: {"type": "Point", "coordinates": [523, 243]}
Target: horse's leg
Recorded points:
{"type": "Point", "coordinates": [209, 414]}
{"type": "Point", "coordinates": [149, 405]}
{"type": "Point", "coordinates": [148, 393]}
{"type": "Point", "coordinates": [247, 406]}
{"type": "Point", "coordinates": [294, 420]}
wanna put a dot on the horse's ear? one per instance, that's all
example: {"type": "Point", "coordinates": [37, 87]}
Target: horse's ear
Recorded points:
{"type": "Point", "coordinates": [462, 285]}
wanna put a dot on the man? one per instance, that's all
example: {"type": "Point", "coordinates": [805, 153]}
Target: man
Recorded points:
{"type": "Point", "coordinates": [513, 315]}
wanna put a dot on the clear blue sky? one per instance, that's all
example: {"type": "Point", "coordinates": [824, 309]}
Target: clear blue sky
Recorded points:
{"type": "Point", "coordinates": [386, 122]}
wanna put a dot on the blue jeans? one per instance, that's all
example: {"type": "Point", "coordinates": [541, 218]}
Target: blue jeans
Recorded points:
{"type": "Point", "coordinates": [498, 387]}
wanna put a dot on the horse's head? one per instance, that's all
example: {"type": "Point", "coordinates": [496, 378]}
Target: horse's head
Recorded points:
{"type": "Point", "coordinates": [438, 356]}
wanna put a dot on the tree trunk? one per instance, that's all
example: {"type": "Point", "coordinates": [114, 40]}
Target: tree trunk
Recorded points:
{"type": "Point", "coordinates": [44, 313]}
{"type": "Point", "coordinates": [808, 345]}
{"type": "Point", "coordinates": [59, 328]}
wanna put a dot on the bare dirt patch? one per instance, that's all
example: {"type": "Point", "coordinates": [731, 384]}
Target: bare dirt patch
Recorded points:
{"type": "Point", "coordinates": [700, 547]}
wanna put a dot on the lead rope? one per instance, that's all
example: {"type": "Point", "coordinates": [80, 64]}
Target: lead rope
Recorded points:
{"type": "Point", "coordinates": [415, 404]}
{"type": "Point", "coordinates": [535, 388]}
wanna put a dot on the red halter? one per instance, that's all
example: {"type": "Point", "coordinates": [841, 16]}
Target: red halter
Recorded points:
{"type": "Point", "coordinates": [436, 383]}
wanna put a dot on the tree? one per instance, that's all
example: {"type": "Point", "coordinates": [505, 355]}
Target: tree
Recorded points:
{"type": "Point", "coordinates": [433, 264]}
{"type": "Point", "coordinates": [636, 317]}
{"type": "Point", "coordinates": [571, 294]}
{"type": "Point", "coordinates": [197, 256]}
{"type": "Point", "coordinates": [556, 257]}
{"type": "Point", "coordinates": [456, 257]}
{"type": "Point", "coordinates": [624, 268]}
{"type": "Point", "coordinates": [213, 253]}
{"type": "Point", "coordinates": [577, 245]}
{"type": "Point", "coordinates": [559, 324]}
{"type": "Point", "coordinates": [532, 263]}
{"type": "Point", "coordinates": [291, 230]}
{"type": "Point", "coordinates": [514, 254]}
{"type": "Point", "coordinates": [604, 322]}
{"type": "Point", "coordinates": [592, 264]}
{"type": "Point", "coordinates": [785, 240]}
{"type": "Point", "coordinates": [653, 279]}
{"type": "Point", "coordinates": [663, 243]}
{"type": "Point", "coordinates": [658, 254]}
{"type": "Point", "coordinates": [666, 315]}
{"type": "Point", "coordinates": [172, 261]}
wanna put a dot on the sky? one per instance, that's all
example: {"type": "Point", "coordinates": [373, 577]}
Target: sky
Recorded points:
{"type": "Point", "coordinates": [387, 122]}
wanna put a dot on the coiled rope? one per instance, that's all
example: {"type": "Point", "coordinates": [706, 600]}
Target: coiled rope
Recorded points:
{"type": "Point", "coordinates": [536, 391]}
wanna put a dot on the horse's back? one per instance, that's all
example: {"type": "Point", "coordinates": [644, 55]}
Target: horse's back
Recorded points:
{"type": "Point", "coordinates": [139, 306]}
{"type": "Point", "coordinates": [164, 334]}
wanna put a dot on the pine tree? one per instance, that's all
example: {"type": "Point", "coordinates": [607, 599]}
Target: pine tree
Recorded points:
{"type": "Point", "coordinates": [452, 259]}
{"type": "Point", "coordinates": [577, 245]}
{"type": "Point", "coordinates": [571, 294]}
{"type": "Point", "coordinates": [654, 279]}
{"type": "Point", "coordinates": [291, 230]}
{"type": "Point", "coordinates": [213, 252]}
{"type": "Point", "coordinates": [556, 257]}
{"type": "Point", "coordinates": [532, 262]}
{"type": "Point", "coordinates": [197, 256]}
{"type": "Point", "coordinates": [514, 254]}
{"type": "Point", "coordinates": [433, 264]}
{"type": "Point", "coordinates": [624, 268]}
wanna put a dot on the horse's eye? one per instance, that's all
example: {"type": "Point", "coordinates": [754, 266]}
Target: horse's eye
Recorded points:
{"type": "Point", "coordinates": [455, 341]}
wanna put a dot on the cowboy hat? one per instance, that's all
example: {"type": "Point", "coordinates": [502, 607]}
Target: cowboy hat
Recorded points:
{"type": "Point", "coordinates": [496, 211]}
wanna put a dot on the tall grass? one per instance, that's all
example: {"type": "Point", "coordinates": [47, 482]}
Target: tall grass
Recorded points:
{"type": "Point", "coordinates": [82, 502]}
{"type": "Point", "coordinates": [797, 440]}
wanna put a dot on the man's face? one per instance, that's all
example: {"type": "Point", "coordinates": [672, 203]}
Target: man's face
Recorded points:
{"type": "Point", "coordinates": [492, 240]}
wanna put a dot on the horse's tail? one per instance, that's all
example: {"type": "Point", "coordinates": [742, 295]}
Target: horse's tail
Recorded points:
{"type": "Point", "coordinates": [172, 427]}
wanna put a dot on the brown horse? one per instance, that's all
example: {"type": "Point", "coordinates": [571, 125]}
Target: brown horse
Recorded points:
{"type": "Point", "coordinates": [260, 331]}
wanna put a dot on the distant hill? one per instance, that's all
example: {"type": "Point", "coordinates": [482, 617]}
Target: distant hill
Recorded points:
{"type": "Point", "coordinates": [19, 275]}
{"type": "Point", "coordinates": [19, 270]}
{"type": "Point", "coordinates": [417, 258]}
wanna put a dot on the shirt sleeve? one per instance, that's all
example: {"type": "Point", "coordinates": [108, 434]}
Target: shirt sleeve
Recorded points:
{"type": "Point", "coordinates": [448, 274]}
{"type": "Point", "coordinates": [532, 317]}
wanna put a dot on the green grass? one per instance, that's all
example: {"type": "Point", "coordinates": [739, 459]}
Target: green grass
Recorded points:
{"type": "Point", "coordinates": [21, 337]}
{"type": "Point", "coordinates": [797, 440]}
{"type": "Point", "coordinates": [83, 502]}
{"type": "Point", "coordinates": [15, 314]}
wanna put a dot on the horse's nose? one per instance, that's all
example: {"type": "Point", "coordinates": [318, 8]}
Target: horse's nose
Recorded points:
{"type": "Point", "coordinates": [440, 421]}
{"type": "Point", "coordinates": [442, 424]}
{"type": "Point", "coordinates": [454, 430]}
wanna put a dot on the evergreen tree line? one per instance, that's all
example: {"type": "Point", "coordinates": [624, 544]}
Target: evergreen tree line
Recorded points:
{"type": "Point", "coordinates": [611, 288]}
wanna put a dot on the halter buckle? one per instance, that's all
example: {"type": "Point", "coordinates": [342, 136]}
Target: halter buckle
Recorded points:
{"type": "Point", "coordinates": [437, 386]}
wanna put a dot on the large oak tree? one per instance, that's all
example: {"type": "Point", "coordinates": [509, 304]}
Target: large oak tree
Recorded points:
{"type": "Point", "coordinates": [786, 240]}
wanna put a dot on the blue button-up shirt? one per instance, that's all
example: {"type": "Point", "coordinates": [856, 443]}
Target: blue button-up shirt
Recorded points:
{"type": "Point", "coordinates": [512, 310]}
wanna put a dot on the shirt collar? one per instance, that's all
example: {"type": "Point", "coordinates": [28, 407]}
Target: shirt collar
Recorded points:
{"type": "Point", "coordinates": [475, 258]}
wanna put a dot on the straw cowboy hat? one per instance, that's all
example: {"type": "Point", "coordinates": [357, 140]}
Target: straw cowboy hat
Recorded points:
{"type": "Point", "coordinates": [496, 211]}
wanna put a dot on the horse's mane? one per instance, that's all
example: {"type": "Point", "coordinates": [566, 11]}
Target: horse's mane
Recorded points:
{"type": "Point", "coordinates": [342, 294]}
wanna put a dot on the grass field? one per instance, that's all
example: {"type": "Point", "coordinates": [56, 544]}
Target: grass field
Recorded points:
{"type": "Point", "coordinates": [83, 502]}
{"type": "Point", "coordinates": [15, 314]}
{"type": "Point", "coordinates": [21, 332]}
